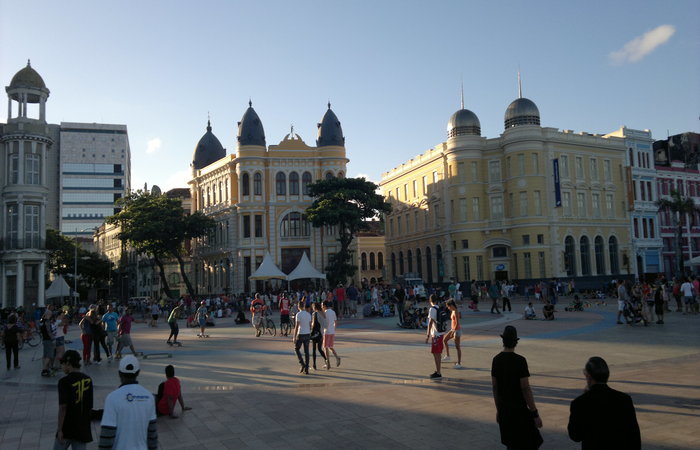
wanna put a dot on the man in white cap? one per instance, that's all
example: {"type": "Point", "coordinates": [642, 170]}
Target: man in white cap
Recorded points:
{"type": "Point", "coordinates": [129, 419]}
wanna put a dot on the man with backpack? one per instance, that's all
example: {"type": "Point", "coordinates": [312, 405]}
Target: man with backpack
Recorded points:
{"type": "Point", "coordinates": [436, 330]}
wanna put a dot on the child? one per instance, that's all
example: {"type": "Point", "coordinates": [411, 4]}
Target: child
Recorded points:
{"type": "Point", "coordinates": [529, 312]}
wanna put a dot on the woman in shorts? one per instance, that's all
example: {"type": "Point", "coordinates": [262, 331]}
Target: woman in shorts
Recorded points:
{"type": "Point", "coordinates": [454, 333]}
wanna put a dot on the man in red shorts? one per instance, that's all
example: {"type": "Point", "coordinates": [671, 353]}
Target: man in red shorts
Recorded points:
{"type": "Point", "coordinates": [434, 334]}
{"type": "Point", "coordinates": [257, 308]}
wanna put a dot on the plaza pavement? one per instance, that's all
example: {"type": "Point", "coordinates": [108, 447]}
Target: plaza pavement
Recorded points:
{"type": "Point", "coordinates": [246, 392]}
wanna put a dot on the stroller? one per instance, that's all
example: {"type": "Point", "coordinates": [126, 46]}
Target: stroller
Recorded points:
{"type": "Point", "coordinates": [633, 313]}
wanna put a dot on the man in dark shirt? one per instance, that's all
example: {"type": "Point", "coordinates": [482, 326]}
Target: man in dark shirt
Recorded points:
{"type": "Point", "coordinates": [516, 412]}
{"type": "Point", "coordinates": [74, 405]}
{"type": "Point", "coordinates": [399, 298]}
{"type": "Point", "coordinates": [602, 417]}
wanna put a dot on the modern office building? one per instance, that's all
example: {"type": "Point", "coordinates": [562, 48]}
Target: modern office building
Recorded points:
{"type": "Point", "coordinates": [63, 176]}
{"type": "Point", "coordinates": [534, 203]}
{"type": "Point", "coordinates": [258, 197]}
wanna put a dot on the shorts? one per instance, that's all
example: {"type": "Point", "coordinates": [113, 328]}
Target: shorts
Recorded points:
{"type": "Point", "coordinates": [620, 305]}
{"type": "Point", "coordinates": [284, 318]}
{"type": "Point", "coordinates": [60, 341]}
{"type": "Point", "coordinates": [687, 300]}
{"type": "Point", "coordinates": [328, 340]}
{"type": "Point", "coordinates": [155, 316]}
{"type": "Point", "coordinates": [202, 322]}
{"type": "Point", "coordinates": [437, 345]}
{"type": "Point", "coordinates": [111, 335]}
{"type": "Point", "coordinates": [49, 349]}
{"type": "Point", "coordinates": [457, 333]}
{"type": "Point", "coordinates": [125, 340]}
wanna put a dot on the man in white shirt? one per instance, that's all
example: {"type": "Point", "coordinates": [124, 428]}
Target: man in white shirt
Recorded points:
{"type": "Point", "coordinates": [302, 336]}
{"type": "Point", "coordinates": [688, 295]}
{"type": "Point", "coordinates": [622, 297]}
{"type": "Point", "coordinates": [433, 332]}
{"type": "Point", "coordinates": [329, 335]}
{"type": "Point", "coordinates": [129, 418]}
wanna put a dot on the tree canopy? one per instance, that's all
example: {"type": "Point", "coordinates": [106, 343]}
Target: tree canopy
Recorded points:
{"type": "Point", "coordinates": [157, 225]}
{"type": "Point", "coordinates": [93, 269]}
{"type": "Point", "coordinates": [347, 204]}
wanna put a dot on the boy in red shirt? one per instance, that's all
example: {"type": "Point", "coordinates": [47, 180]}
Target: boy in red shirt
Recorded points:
{"type": "Point", "coordinates": [170, 395]}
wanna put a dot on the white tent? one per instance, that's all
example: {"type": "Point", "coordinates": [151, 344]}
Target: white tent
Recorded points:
{"type": "Point", "coordinates": [692, 262]}
{"type": "Point", "coordinates": [59, 288]}
{"type": "Point", "coordinates": [268, 270]}
{"type": "Point", "coordinates": [305, 270]}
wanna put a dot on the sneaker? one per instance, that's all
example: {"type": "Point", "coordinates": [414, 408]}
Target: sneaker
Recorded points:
{"type": "Point", "coordinates": [435, 375]}
{"type": "Point", "coordinates": [459, 366]}
{"type": "Point", "coordinates": [97, 363]}
{"type": "Point", "coordinates": [445, 358]}
{"type": "Point", "coordinates": [45, 373]}
{"type": "Point", "coordinates": [337, 361]}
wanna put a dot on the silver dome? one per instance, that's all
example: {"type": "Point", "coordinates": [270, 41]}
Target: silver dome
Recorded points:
{"type": "Point", "coordinates": [463, 122]}
{"type": "Point", "coordinates": [522, 111]}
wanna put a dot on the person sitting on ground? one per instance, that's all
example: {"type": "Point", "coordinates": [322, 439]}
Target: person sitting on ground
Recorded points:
{"type": "Point", "coordinates": [529, 312]}
{"type": "Point", "coordinates": [169, 393]}
{"type": "Point", "coordinates": [548, 310]}
{"type": "Point", "coordinates": [240, 318]}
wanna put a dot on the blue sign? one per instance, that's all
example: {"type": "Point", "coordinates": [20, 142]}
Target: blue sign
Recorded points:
{"type": "Point", "coordinates": [557, 184]}
{"type": "Point", "coordinates": [501, 267]}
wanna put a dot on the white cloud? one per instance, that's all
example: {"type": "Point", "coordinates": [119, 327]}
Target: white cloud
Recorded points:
{"type": "Point", "coordinates": [366, 177]}
{"type": "Point", "coordinates": [639, 47]}
{"type": "Point", "coordinates": [176, 180]}
{"type": "Point", "coordinates": [153, 145]}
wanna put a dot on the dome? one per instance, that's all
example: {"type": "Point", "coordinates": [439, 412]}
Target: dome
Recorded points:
{"type": "Point", "coordinates": [329, 130]}
{"type": "Point", "coordinates": [27, 78]}
{"type": "Point", "coordinates": [250, 129]}
{"type": "Point", "coordinates": [522, 112]}
{"type": "Point", "coordinates": [208, 150]}
{"type": "Point", "coordinates": [463, 122]}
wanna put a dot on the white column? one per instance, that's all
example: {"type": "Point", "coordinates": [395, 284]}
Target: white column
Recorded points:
{"type": "Point", "coordinates": [41, 301]}
{"type": "Point", "coordinates": [20, 283]}
{"type": "Point", "coordinates": [42, 109]}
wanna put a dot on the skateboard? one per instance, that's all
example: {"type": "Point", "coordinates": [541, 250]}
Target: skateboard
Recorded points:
{"type": "Point", "coordinates": [179, 344]}
{"type": "Point", "coordinates": [203, 335]}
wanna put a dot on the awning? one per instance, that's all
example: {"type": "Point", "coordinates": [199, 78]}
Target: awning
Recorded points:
{"type": "Point", "coordinates": [692, 262]}
{"type": "Point", "coordinates": [305, 270]}
{"type": "Point", "coordinates": [59, 288]}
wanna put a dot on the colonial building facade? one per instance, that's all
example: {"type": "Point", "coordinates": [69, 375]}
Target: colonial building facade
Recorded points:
{"type": "Point", "coordinates": [257, 197]}
{"type": "Point", "coordinates": [533, 203]}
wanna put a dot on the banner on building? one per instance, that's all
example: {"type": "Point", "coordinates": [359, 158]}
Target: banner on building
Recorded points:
{"type": "Point", "coordinates": [557, 183]}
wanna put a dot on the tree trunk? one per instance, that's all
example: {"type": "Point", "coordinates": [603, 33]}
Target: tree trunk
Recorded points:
{"type": "Point", "coordinates": [181, 263]}
{"type": "Point", "coordinates": [161, 272]}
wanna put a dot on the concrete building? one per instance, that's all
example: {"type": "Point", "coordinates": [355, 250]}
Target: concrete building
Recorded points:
{"type": "Point", "coordinates": [534, 203]}
{"type": "Point", "coordinates": [369, 247]}
{"type": "Point", "coordinates": [257, 197]}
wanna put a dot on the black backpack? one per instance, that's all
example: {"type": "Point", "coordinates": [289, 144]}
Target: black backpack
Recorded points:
{"type": "Point", "coordinates": [443, 318]}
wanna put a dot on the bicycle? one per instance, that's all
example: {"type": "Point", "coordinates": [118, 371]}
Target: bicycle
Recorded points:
{"type": "Point", "coordinates": [286, 328]}
{"type": "Point", "coordinates": [269, 326]}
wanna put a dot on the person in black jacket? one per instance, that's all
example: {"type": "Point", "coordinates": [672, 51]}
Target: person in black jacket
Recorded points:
{"type": "Point", "coordinates": [12, 336]}
{"type": "Point", "coordinates": [602, 417]}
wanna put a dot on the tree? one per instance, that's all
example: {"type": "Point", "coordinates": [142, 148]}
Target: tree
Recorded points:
{"type": "Point", "coordinates": [345, 203]}
{"type": "Point", "coordinates": [93, 268]}
{"type": "Point", "coordinates": [158, 226]}
{"type": "Point", "coordinates": [679, 207]}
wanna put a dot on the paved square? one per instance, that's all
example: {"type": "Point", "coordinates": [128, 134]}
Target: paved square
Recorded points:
{"type": "Point", "coordinates": [246, 392]}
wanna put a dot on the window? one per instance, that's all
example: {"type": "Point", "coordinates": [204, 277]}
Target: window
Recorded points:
{"type": "Point", "coordinates": [581, 204]}
{"type": "Point", "coordinates": [527, 262]}
{"type": "Point", "coordinates": [494, 171]}
{"type": "Point", "coordinates": [405, 192]}
{"type": "Point", "coordinates": [305, 182]}
{"type": "Point", "coordinates": [585, 256]}
{"type": "Point", "coordinates": [499, 252]}
{"type": "Point", "coordinates": [521, 164]}
{"type": "Point", "coordinates": [415, 188]}
{"type": "Point", "coordinates": [609, 202]}
{"type": "Point", "coordinates": [363, 261]}
{"type": "Point", "coordinates": [12, 231]}
{"type": "Point", "coordinates": [293, 183]}
{"type": "Point", "coordinates": [569, 256]}
{"type": "Point", "coordinates": [391, 225]}
{"type": "Point", "coordinates": [475, 208]}
{"type": "Point", "coordinates": [479, 267]}
{"type": "Point", "coordinates": [246, 225]}
{"type": "Point", "coordinates": [398, 196]}
{"type": "Point", "coordinates": [595, 204]}
{"type": "Point", "coordinates": [258, 226]}
{"type": "Point", "coordinates": [538, 202]}
{"type": "Point", "coordinates": [579, 168]}
{"type": "Point", "coordinates": [599, 256]}
{"type": "Point", "coordinates": [523, 204]}
{"type": "Point", "coordinates": [32, 169]}
{"type": "Point", "coordinates": [467, 272]}
{"type": "Point", "coordinates": [511, 205]}
{"type": "Point", "coordinates": [535, 163]}
{"type": "Point", "coordinates": [425, 185]}
{"type": "Point", "coordinates": [541, 261]}
{"type": "Point", "coordinates": [408, 224]}
{"type": "Point", "coordinates": [415, 221]}
{"type": "Point", "coordinates": [257, 184]}
{"type": "Point", "coordinates": [460, 172]}
{"type": "Point", "coordinates": [463, 209]}
{"type": "Point", "coordinates": [281, 183]}
{"type": "Point", "coordinates": [465, 243]}
{"type": "Point", "coordinates": [607, 170]}
{"type": "Point", "coordinates": [380, 261]}
{"type": "Point", "coordinates": [409, 261]}
{"type": "Point", "coordinates": [329, 175]}
{"type": "Point", "coordinates": [372, 264]}
{"type": "Point", "coordinates": [245, 184]}
{"type": "Point", "coordinates": [564, 166]}
{"type": "Point", "coordinates": [295, 224]}
{"type": "Point", "coordinates": [540, 238]}
{"type": "Point", "coordinates": [496, 208]}
{"type": "Point", "coordinates": [398, 226]}
{"type": "Point", "coordinates": [594, 169]}
{"type": "Point", "coordinates": [612, 251]}
{"type": "Point", "coordinates": [475, 171]}
{"type": "Point", "coordinates": [526, 239]}
{"type": "Point", "coordinates": [652, 231]}
{"type": "Point", "coordinates": [436, 210]}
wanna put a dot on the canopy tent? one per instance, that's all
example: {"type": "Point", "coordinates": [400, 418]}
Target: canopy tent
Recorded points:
{"type": "Point", "coordinates": [305, 270]}
{"type": "Point", "coordinates": [59, 288]}
{"type": "Point", "coordinates": [692, 262]}
{"type": "Point", "coordinates": [268, 270]}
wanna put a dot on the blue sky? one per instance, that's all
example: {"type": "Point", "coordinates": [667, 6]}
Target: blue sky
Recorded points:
{"type": "Point", "coordinates": [391, 69]}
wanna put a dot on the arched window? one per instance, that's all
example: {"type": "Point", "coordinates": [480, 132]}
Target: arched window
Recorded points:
{"type": "Point", "coordinates": [281, 182]}
{"type": "Point", "coordinates": [257, 184]}
{"type": "Point", "coordinates": [585, 249]}
{"type": "Point", "coordinates": [393, 265]}
{"type": "Point", "coordinates": [245, 184]}
{"type": "Point", "coordinates": [329, 175]}
{"type": "Point", "coordinates": [429, 263]}
{"type": "Point", "coordinates": [419, 263]}
{"type": "Point", "coordinates": [401, 271]}
{"type": "Point", "coordinates": [612, 250]}
{"type": "Point", "coordinates": [380, 260]}
{"type": "Point", "coordinates": [363, 261]}
{"type": "Point", "coordinates": [372, 265]}
{"type": "Point", "coordinates": [409, 260]}
{"type": "Point", "coordinates": [599, 255]}
{"type": "Point", "coordinates": [293, 183]}
{"type": "Point", "coordinates": [295, 224]}
{"type": "Point", "coordinates": [569, 256]}
{"type": "Point", "coordinates": [305, 182]}
{"type": "Point", "coordinates": [341, 175]}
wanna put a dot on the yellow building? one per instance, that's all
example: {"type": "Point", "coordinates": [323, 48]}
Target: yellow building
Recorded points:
{"type": "Point", "coordinates": [368, 251]}
{"type": "Point", "coordinates": [257, 197]}
{"type": "Point", "coordinates": [533, 203]}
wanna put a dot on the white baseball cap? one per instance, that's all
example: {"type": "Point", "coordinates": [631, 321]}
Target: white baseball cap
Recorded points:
{"type": "Point", "coordinates": [129, 364]}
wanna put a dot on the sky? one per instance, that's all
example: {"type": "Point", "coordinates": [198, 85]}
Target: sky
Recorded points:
{"type": "Point", "coordinates": [392, 69]}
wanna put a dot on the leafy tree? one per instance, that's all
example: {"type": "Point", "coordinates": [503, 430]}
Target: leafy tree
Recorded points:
{"type": "Point", "coordinates": [347, 204]}
{"type": "Point", "coordinates": [158, 226]}
{"type": "Point", "coordinates": [679, 207]}
{"type": "Point", "coordinates": [93, 268]}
